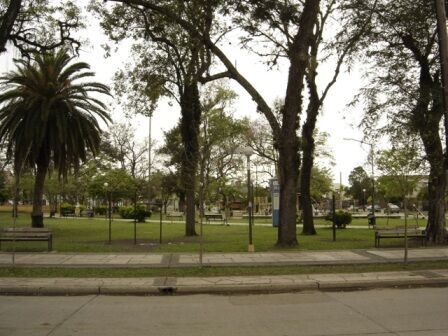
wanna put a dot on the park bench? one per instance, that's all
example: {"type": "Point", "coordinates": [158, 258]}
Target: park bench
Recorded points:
{"type": "Point", "coordinates": [215, 217]}
{"type": "Point", "coordinates": [175, 215]}
{"type": "Point", "coordinates": [87, 213]}
{"type": "Point", "coordinates": [27, 234]}
{"type": "Point", "coordinates": [413, 232]}
{"type": "Point", "coordinates": [238, 213]}
{"type": "Point", "coordinates": [66, 213]}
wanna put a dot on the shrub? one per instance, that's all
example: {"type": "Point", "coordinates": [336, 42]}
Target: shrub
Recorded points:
{"type": "Point", "coordinates": [67, 208]}
{"type": "Point", "coordinates": [130, 213]}
{"type": "Point", "coordinates": [341, 218]}
{"type": "Point", "coordinates": [101, 210]}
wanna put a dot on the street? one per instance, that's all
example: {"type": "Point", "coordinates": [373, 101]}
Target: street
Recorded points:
{"type": "Point", "coordinates": [416, 312]}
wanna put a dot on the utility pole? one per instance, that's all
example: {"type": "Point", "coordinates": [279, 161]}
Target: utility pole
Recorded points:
{"type": "Point", "coordinates": [340, 190]}
{"type": "Point", "coordinates": [443, 47]}
{"type": "Point", "coordinates": [149, 161]}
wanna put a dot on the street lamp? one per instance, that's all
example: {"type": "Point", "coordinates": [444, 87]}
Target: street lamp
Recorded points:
{"type": "Point", "coordinates": [364, 198]}
{"type": "Point", "coordinates": [247, 151]}
{"type": "Point", "coordinates": [372, 219]}
{"type": "Point", "coordinates": [109, 200]}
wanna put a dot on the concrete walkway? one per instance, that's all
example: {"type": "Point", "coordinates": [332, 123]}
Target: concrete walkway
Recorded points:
{"type": "Point", "coordinates": [216, 285]}
{"type": "Point", "coordinates": [227, 284]}
{"type": "Point", "coordinates": [160, 260]}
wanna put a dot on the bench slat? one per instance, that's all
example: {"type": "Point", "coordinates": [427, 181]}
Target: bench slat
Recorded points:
{"type": "Point", "coordinates": [27, 234]}
{"type": "Point", "coordinates": [412, 232]}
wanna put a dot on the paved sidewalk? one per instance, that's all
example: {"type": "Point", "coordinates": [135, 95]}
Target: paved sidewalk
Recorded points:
{"type": "Point", "coordinates": [234, 284]}
{"type": "Point", "coordinates": [217, 285]}
{"type": "Point", "coordinates": [153, 260]}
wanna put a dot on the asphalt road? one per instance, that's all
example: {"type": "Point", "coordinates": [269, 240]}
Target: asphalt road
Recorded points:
{"type": "Point", "coordinates": [410, 312]}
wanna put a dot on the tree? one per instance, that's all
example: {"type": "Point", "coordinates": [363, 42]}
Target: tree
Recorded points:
{"type": "Point", "coordinates": [119, 183]}
{"type": "Point", "coordinates": [360, 185]}
{"type": "Point", "coordinates": [174, 69]}
{"type": "Point", "coordinates": [38, 25]}
{"type": "Point", "coordinates": [321, 182]}
{"type": "Point", "coordinates": [221, 136]}
{"type": "Point", "coordinates": [341, 50]}
{"type": "Point", "coordinates": [48, 115]}
{"type": "Point", "coordinates": [400, 163]}
{"type": "Point", "coordinates": [294, 22]}
{"type": "Point", "coordinates": [130, 152]}
{"type": "Point", "coordinates": [401, 45]}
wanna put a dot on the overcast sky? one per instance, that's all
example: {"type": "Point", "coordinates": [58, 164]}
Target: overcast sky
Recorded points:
{"type": "Point", "coordinates": [335, 118]}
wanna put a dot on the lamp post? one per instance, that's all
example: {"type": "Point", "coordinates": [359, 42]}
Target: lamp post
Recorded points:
{"type": "Point", "coordinates": [247, 151]}
{"type": "Point", "coordinates": [109, 200]}
{"type": "Point", "coordinates": [372, 218]}
{"type": "Point", "coordinates": [364, 198]}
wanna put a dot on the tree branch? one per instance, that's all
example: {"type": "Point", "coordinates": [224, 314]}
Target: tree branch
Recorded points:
{"type": "Point", "coordinates": [261, 103]}
{"type": "Point", "coordinates": [8, 21]}
{"type": "Point", "coordinates": [210, 78]}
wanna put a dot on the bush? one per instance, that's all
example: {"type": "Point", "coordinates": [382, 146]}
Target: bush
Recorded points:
{"type": "Point", "coordinates": [341, 218]}
{"type": "Point", "coordinates": [130, 213]}
{"type": "Point", "coordinates": [101, 210]}
{"type": "Point", "coordinates": [67, 209]}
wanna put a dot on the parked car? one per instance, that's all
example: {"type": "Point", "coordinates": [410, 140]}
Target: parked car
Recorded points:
{"type": "Point", "coordinates": [392, 208]}
{"type": "Point", "coordinates": [377, 208]}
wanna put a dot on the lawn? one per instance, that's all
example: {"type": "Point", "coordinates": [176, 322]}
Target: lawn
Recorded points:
{"type": "Point", "coordinates": [58, 272]}
{"type": "Point", "coordinates": [90, 235]}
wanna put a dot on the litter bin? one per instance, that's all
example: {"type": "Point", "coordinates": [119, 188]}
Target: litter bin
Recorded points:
{"type": "Point", "coordinates": [371, 219]}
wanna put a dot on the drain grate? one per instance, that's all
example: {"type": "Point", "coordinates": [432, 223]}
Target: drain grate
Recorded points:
{"type": "Point", "coordinates": [167, 290]}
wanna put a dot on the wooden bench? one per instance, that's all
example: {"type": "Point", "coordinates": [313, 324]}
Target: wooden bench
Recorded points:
{"type": "Point", "coordinates": [413, 232]}
{"type": "Point", "coordinates": [67, 213]}
{"type": "Point", "coordinates": [175, 214]}
{"type": "Point", "coordinates": [27, 234]}
{"type": "Point", "coordinates": [238, 213]}
{"type": "Point", "coordinates": [215, 217]}
{"type": "Point", "coordinates": [87, 213]}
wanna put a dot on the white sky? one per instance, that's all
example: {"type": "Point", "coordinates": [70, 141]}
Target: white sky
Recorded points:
{"type": "Point", "coordinates": [334, 119]}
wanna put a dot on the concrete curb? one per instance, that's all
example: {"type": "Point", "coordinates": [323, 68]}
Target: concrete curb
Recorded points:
{"type": "Point", "coordinates": [95, 288]}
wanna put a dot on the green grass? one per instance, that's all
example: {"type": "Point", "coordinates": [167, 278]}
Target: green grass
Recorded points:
{"type": "Point", "coordinates": [213, 271]}
{"type": "Point", "coordinates": [90, 235]}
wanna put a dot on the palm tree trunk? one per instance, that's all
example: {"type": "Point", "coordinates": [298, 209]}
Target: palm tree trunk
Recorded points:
{"type": "Point", "coordinates": [37, 216]}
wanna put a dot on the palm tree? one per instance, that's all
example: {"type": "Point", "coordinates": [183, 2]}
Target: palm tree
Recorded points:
{"type": "Point", "coordinates": [48, 116]}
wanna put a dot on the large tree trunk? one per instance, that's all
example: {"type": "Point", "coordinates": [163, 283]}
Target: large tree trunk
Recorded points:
{"type": "Point", "coordinates": [8, 21]}
{"type": "Point", "coordinates": [287, 141]}
{"type": "Point", "coordinates": [308, 146]}
{"type": "Point", "coordinates": [37, 216]}
{"type": "Point", "coordinates": [436, 185]}
{"type": "Point", "coordinates": [426, 119]}
{"type": "Point", "coordinates": [305, 188]}
{"type": "Point", "coordinates": [190, 122]}
{"type": "Point", "coordinates": [288, 177]}
{"type": "Point", "coordinates": [436, 214]}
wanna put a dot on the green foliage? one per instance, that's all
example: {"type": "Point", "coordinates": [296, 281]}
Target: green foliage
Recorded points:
{"type": "Point", "coordinates": [67, 208]}
{"type": "Point", "coordinates": [360, 181]}
{"type": "Point", "coordinates": [65, 128]}
{"type": "Point", "coordinates": [48, 116]}
{"type": "Point", "coordinates": [139, 213]}
{"type": "Point", "coordinates": [115, 181]}
{"type": "Point", "coordinates": [40, 25]}
{"type": "Point", "coordinates": [101, 210]}
{"type": "Point", "coordinates": [341, 218]}
{"type": "Point", "coordinates": [321, 182]}
{"type": "Point", "coordinates": [402, 167]}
